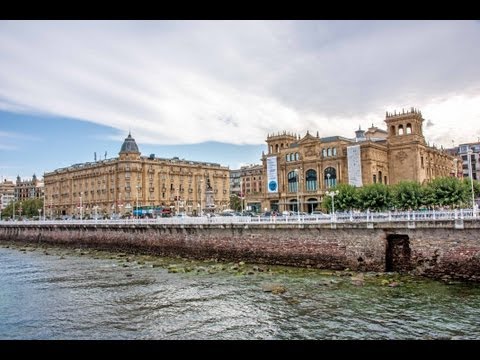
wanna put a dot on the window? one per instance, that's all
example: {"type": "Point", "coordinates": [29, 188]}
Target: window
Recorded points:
{"type": "Point", "coordinates": [409, 128]}
{"type": "Point", "coordinates": [297, 156]}
{"type": "Point", "coordinates": [324, 152]}
{"type": "Point", "coordinates": [311, 180]}
{"type": "Point", "coordinates": [374, 179]}
{"type": "Point", "coordinates": [392, 130]}
{"type": "Point", "coordinates": [330, 177]}
{"type": "Point", "coordinates": [334, 151]}
{"type": "Point", "coordinates": [292, 181]}
{"type": "Point", "coordinates": [400, 129]}
{"type": "Point", "coordinates": [329, 152]}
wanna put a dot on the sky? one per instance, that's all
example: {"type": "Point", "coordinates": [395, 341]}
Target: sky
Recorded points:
{"type": "Point", "coordinates": [213, 90]}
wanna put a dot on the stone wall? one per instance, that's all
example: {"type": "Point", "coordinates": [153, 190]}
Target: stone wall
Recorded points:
{"type": "Point", "coordinates": [431, 251]}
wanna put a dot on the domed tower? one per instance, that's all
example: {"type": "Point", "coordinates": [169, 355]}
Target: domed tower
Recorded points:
{"type": "Point", "coordinates": [129, 150]}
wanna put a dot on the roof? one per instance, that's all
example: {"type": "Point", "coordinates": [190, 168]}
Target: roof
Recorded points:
{"type": "Point", "coordinates": [129, 145]}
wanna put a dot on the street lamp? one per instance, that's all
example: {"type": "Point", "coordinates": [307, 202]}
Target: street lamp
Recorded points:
{"type": "Point", "coordinates": [298, 198]}
{"type": "Point", "coordinates": [137, 201]}
{"type": "Point", "coordinates": [201, 210]}
{"type": "Point", "coordinates": [332, 194]}
{"type": "Point", "coordinates": [81, 206]}
{"type": "Point", "coordinates": [469, 155]}
{"type": "Point", "coordinates": [39, 214]}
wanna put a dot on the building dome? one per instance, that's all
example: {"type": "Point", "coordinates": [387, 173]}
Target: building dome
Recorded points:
{"type": "Point", "coordinates": [129, 145]}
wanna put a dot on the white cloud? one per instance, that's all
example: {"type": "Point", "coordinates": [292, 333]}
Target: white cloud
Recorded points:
{"type": "Point", "coordinates": [178, 82]}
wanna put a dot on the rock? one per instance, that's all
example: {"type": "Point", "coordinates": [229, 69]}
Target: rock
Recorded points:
{"type": "Point", "coordinates": [241, 263]}
{"type": "Point", "coordinates": [128, 275]}
{"type": "Point", "coordinates": [274, 288]}
{"type": "Point", "coordinates": [358, 282]}
{"type": "Point", "coordinates": [324, 283]}
{"type": "Point", "coordinates": [385, 282]}
{"type": "Point", "coordinates": [394, 284]}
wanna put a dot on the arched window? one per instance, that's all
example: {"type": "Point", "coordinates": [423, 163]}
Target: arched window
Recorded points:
{"type": "Point", "coordinates": [400, 129]}
{"type": "Point", "coordinates": [374, 178]}
{"type": "Point", "coordinates": [324, 152]}
{"type": "Point", "coordinates": [271, 149]}
{"type": "Point", "coordinates": [334, 152]}
{"type": "Point", "coordinates": [293, 205]}
{"type": "Point", "coordinates": [311, 180]}
{"type": "Point", "coordinates": [297, 156]}
{"type": "Point", "coordinates": [330, 177]}
{"type": "Point", "coordinates": [392, 130]}
{"type": "Point", "coordinates": [276, 148]}
{"type": "Point", "coordinates": [380, 177]}
{"type": "Point", "coordinates": [287, 157]}
{"type": "Point", "coordinates": [292, 181]}
{"type": "Point", "coordinates": [409, 128]}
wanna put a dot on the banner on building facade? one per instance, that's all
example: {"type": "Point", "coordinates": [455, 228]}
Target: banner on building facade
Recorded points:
{"type": "Point", "coordinates": [354, 164]}
{"type": "Point", "coordinates": [272, 180]}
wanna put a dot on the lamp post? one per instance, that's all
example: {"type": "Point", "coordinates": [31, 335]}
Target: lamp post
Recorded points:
{"type": "Point", "coordinates": [298, 197]}
{"type": "Point", "coordinates": [201, 211]}
{"type": "Point", "coordinates": [137, 201]}
{"type": "Point", "coordinates": [81, 206]}
{"type": "Point", "coordinates": [39, 214]}
{"type": "Point", "coordinates": [332, 194]}
{"type": "Point", "coordinates": [13, 209]}
{"type": "Point", "coordinates": [44, 205]}
{"type": "Point", "coordinates": [469, 155]}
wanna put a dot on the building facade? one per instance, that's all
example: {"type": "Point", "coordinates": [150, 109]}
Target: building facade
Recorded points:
{"type": "Point", "coordinates": [235, 180]}
{"type": "Point", "coordinates": [300, 170]}
{"type": "Point", "coordinates": [28, 189]}
{"type": "Point", "coordinates": [119, 185]}
{"type": "Point", "coordinates": [7, 193]}
{"type": "Point", "coordinates": [252, 181]}
{"type": "Point", "coordinates": [471, 150]}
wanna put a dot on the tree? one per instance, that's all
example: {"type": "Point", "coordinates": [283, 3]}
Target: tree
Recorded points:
{"type": "Point", "coordinates": [235, 202]}
{"type": "Point", "coordinates": [476, 186]}
{"type": "Point", "coordinates": [447, 191]}
{"type": "Point", "coordinates": [375, 197]}
{"type": "Point", "coordinates": [347, 198]}
{"type": "Point", "coordinates": [29, 208]}
{"type": "Point", "coordinates": [408, 195]}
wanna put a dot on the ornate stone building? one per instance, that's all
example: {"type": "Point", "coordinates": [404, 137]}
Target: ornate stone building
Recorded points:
{"type": "Point", "coordinates": [305, 168]}
{"type": "Point", "coordinates": [28, 189]}
{"type": "Point", "coordinates": [118, 185]}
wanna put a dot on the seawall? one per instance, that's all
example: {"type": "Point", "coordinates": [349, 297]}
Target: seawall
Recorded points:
{"type": "Point", "coordinates": [434, 249]}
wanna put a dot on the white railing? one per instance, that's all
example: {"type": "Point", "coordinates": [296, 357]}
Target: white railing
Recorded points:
{"type": "Point", "coordinates": [338, 218]}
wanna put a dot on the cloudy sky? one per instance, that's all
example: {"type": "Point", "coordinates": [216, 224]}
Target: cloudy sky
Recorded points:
{"type": "Point", "coordinates": [213, 90]}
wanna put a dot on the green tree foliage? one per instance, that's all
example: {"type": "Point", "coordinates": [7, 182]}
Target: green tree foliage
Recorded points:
{"type": "Point", "coordinates": [408, 195]}
{"type": "Point", "coordinates": [27, 208]}
{"type": "Point", "coordinates": [447, 192]}
{"type": "Point", "coordinates": [476, 186]}
{"type": "Point", "coordinates": [375, 197]}
{"type": "Point", "coordinates": [235, 202]}
{"type": "Point", "coordinates": [347, 198]}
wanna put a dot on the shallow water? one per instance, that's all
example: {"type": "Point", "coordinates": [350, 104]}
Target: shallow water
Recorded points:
{"type": "Point", "coordinates": [58, 293]}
